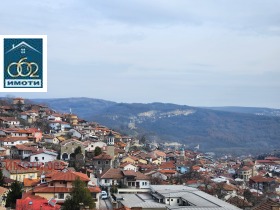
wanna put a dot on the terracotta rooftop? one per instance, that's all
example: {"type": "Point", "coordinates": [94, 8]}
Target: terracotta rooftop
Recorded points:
{"type": "Point", "coordinates": [69, 176]}
{"type": "Point", "coordinates": [229, 187]}
{"type": "Point", "coordinates": [112, 173]}
{"type": "Point", "coordinates": [129, 173]}
{"type": "Point", "coordinates": [168, 171]}
{"type": "Point", "coordinates": [8, 119]}
{"type": "Point", "coordinates": [266, 205]}
{"type": "Point", "coordinates": [126, 164]}
{"type": "Point", "coordinates": [258, 179]}
{"type": "Point", "coordinates": [38, 203]}
{"type": "Point", "coordinates": [13, 139]}
{"type": "Point", "coordinates": [102, 156]}
{"type": "Point", "coordinates": [160, 153]}
{"type": "Point", "coordinates": [30, 182]}
{"type": "Point", "coordinates": [239, 202]}
{"type": "Point", "coordinates": [23, 147]}
{"type": "Point", "coordinates": [272, 158]}
{"type": "Point", "coordinates": [46, 189]}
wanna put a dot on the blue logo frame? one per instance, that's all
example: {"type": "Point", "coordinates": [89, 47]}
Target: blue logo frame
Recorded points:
{"type": "Point", "coordinates": [24, 64]}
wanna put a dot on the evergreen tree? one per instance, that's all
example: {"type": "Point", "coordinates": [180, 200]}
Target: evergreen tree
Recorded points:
{"type": "Point", "coordinates": [14, 194]}
{"type": "Point", "coordinates": [80, 194]}
{"type": "Point", "coordinates": [1, 179]}
{"type": "Point", "coordinates": [78, 150]}
{"type": "Point", "coordinates": [97, 151]}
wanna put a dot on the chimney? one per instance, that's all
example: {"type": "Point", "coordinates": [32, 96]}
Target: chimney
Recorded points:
{"type": "Point", "coordinates": [13, 46]}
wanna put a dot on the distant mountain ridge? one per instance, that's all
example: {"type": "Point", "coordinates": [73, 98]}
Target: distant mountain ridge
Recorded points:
{"type": "Point", "coordinates": [218, 129]}
{"type": "Point", "coordinates": [249, 110]}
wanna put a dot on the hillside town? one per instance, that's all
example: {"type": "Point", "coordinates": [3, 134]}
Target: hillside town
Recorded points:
{"type": "Point", "coordinates": [45, 152]}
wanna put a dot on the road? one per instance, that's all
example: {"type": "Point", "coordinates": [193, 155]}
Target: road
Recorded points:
{"type": "Point", "coordinates": [105, 204]}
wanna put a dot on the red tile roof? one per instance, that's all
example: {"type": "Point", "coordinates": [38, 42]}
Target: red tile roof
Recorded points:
{"type": "Point", "coordinates": [272, 158]}
{"type": "Point", "coordinates": [129, 173]}
{"type": "Point", "coordinates": [168, 171]}
{"type": "Point", "coordinates": [160, 153]}
{"type": "Point", "coordinates": [69, 176]}
{"type": "Point", "coordinates": [112, 173]}
{"type": "Point", "coordinates": [102, 156]}
{"type": "Point", "coordinates": [94, 189]}
{"type": "Point", "coordinates": [265, 161]}
{"type": "Point", "coordinates": [30, 182]}
{"type": "Point", "coordinates": [266, 205]}
{"type": "Point", "coordinates": [168, 165]}
{"type": "Point", "coordinates": [23, 147]}
{"type": "Point", "coordinates": [46, 189]}
{"type": "Point", "coordinates": [13, 139]}
{"type": "Point", "coordinates": [35, 203]}
{"type": "Point", "coordinates": [126, 164]}
{"type": "Point", "coordinates": [258, 179]}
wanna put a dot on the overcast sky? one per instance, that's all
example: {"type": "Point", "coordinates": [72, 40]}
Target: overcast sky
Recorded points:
{"type": "Point", "coordinates": [199, 52]}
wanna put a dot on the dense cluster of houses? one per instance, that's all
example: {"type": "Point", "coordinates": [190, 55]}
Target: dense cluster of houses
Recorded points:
{"type": "Point", "coordinates": [47, 151]}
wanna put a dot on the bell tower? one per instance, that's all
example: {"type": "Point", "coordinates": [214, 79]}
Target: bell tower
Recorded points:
{"type": "Point", "coordinates": [111, 139]}
{"type": "Point", "coordinates": [111, 145]}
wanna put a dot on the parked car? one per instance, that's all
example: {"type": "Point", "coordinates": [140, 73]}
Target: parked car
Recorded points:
{"type": "Point", "coordinates": [104, 195]}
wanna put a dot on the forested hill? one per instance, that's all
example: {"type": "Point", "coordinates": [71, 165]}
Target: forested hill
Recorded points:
{"type": "Point", "coordinates": [213, 129]}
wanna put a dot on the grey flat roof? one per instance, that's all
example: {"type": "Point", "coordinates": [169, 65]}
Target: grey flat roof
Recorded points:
{"type": "Point", "coordinates": [138, 200]}
{"type": "Point", "coordinates": [196, 208]}
{"type": "Point", "coordinates": [198, 199]}
{"type": "Point", "coordinates": [170, 188]}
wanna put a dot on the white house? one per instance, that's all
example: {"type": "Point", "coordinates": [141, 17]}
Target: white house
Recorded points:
{"type": "Point", "coordinates": [21, 151]}
{"type": "Point", "coordinates": [12, 141]}
{"type": "Point", "coordinates": [128, 166]}
{"type": "Point", "coordinates": [93, 145]}
{"type": "Point", "coordinates": [65, 126]}
{"type": "Point", "coordinates": [159, 175]}
{"type": "Point", "coordinates": [51, 139]}
{"type": "Point", "coordinates": [77, 133]}
{"type": "Point", "coordinates": [9, 121]}
{"type": "Point", "coordinates": [130, 178]}
{"type": "Point", "coordinates": [55, 117]}
{"type": "Point", "coordinates": [55, 125]}
{"type": "Point", "coordinates": [43, 156]}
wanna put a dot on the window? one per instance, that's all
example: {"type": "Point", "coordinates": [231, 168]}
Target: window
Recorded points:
{"type": "Point", "coordinates": [43, 158]}
{"type": "Point", "coordinates": [98, 162]}
{"type": "Point", "coordinates": [51, 184]}
{"type": "Point", "coordinates": [168, 199]}
{"type": "Point", "coordinates": [107, 162]}
{"type": "Point", "coordinates": [178, 200]}
{"type": "Point", "coordinates": [60, 195]}
{"type": "Point", "coordinates": [171, 199]}
{"type": "Point", "coordinates": [106, 181]}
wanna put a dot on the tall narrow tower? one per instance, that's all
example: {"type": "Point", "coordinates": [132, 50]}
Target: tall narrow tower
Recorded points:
{"type": "Point", "coordinates": [111, 145]}
{"type": "Point", "coordinates": [111, 139]}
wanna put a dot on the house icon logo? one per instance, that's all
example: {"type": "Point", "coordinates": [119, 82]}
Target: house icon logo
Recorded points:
{"type": "Point", "coordinates": [24, 68]}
